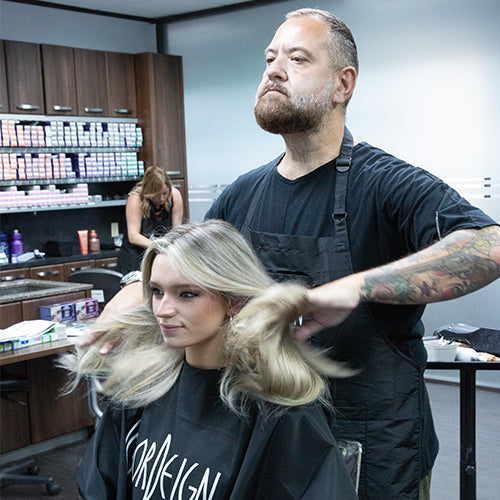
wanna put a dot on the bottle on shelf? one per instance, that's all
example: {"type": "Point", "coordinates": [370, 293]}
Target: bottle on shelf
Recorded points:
{"type": "Point", "coordinates": [4, 249]}
{"type": "Point", "coordinates": [94, 243]}
{"type": "Point", "coordinates": [16, 246]}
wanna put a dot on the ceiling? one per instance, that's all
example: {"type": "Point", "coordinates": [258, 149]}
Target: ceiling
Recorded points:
{"type": "Point", "coordinates": [151, 10]}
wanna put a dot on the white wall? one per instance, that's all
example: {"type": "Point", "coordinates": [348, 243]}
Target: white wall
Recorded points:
{"type": "Point", "coordinates": [29, 23]}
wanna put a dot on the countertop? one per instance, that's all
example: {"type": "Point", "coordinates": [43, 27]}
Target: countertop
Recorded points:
{"type": "Point", "coordinates": [15, 291]}
{"type": "Point", "coordinates": [48, 261]}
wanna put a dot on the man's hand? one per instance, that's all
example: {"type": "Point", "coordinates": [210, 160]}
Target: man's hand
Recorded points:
{"type": "Point", "coordinates": [330, 304]}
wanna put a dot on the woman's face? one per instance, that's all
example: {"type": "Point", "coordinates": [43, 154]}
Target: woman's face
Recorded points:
{"type": "Point", "coordinates": [189, 317]}
{"type": "Point", "coordinates": [161, 197]}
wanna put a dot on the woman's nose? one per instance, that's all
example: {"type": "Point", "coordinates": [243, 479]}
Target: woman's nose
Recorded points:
{"type": "Point", "coordinates": [166, 307]}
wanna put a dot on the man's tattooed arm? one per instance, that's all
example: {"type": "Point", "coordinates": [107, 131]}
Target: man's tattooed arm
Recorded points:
{"type": "Point", "coordinates": [459, 264]}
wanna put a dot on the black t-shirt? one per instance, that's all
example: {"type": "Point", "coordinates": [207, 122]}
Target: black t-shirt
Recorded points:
{"type": "Point", "coordinates": [393, 208]}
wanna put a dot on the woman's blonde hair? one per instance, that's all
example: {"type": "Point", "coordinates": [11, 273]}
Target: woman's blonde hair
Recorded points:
{"type": "Point", "coordinates": [151, 185]}
{"type": "Point", "coordinates": [264, 363]}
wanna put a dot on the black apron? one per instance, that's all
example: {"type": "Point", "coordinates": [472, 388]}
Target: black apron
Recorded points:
{"type": "Point", "coordinates": [385, 407]}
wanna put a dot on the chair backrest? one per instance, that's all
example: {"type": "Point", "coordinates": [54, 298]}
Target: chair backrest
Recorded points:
{"type": "Point", "coordinates": [106, 283]}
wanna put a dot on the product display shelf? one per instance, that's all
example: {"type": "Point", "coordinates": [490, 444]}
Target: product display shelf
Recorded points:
{"type": "Point", "coordinates": [111, 143]}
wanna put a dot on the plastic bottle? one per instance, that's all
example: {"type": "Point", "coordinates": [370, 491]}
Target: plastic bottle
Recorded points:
{"type": "Point", "coordinates": [94, 244]}
{"type": "Point", "coordinates": [4, 249]}
{"type": "Point", "coordinates": [16, 246]}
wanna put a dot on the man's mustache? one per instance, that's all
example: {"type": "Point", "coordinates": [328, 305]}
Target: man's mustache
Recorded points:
{"type": "Point", "coordinates": [275, 87]}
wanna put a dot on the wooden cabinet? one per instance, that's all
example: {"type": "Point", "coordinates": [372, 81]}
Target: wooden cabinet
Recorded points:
{"type": "Point", "coordinates": [91, 85]}
{"type": "Point", "coordinates": [24, 77]}
{"type": "Point", "coordinates": [59, 80]}
{"type": "Point", "coordinates": [4, 100]}
{"type": "Point", "coordinates": [120, 76]}
{"type": "Point", "coordinates": [48, 273]}
{"type": "Point", "coordinates": [10, 314]}
{"type": "Point", "coordinates": [160, 110]}
{"type": "Point", "coordinates": [71, 267]}
{"type": "Point", "coordinates": [109, 263]}
{"type": "Point", "coordinates": [14, 274]}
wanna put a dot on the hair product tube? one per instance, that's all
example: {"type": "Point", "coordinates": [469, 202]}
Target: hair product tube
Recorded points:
{"type": "Point", "coordinates": [83, 237]}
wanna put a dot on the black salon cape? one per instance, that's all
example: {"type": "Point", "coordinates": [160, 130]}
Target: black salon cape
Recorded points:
{"type": "Point", "coordinates": [187, 445]}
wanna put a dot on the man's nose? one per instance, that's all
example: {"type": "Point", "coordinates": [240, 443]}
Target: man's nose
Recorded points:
{"type": "Point", "coordinates": [276, 69]}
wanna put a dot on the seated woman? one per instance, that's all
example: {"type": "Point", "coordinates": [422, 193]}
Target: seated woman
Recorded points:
{"type": "Point", "coordinates": [153, 207]}
{"type": "Point", "coordinates": [210, 395]}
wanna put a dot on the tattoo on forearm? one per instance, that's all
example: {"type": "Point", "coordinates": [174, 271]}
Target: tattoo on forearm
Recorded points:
{"type": "Point", "coordinates": [456, 266]}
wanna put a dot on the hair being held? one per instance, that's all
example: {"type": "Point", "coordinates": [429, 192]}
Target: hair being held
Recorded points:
{"type": "Point", "coordinates": [264, 363]}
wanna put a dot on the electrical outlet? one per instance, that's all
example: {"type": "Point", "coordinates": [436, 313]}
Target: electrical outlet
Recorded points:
{"type": "Point", "coordinates": [114, 229]}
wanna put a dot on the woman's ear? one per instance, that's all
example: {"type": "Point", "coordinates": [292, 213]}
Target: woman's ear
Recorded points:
{"type": "Point", "coordinates": [235, 307]}
{"type": "Point", "coordinates": [345, 81]}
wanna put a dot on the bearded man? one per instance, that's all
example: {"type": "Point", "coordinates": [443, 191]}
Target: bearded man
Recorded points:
{"type": "Point", "coordinates": [343, 214]}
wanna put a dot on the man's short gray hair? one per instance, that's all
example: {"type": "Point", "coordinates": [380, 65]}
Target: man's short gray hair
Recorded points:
{"type": "Point", "coordinates": [341, 42]}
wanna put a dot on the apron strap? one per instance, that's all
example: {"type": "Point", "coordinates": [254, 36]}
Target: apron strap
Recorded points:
{"type": "Point", "coordinates": [342, 166]}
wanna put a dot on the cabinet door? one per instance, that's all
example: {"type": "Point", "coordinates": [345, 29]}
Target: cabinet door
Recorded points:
{"type": "Point", "coordinates": [24, 77]}
{"type": "Point", "coordinates": [10, 314]}
{"type": "Point", "coordinates": [120, 76]}
{"type": "Point", "coordinates": [51, 413]}
{"type": "Point", "coordinates": [160, 110]}
{"type": "Point", "coordinates": [71, 267]}
{"type": "Point", "coordinates": [47, 273]}
{"type": "Point", "coordinates": [14, 417]}
{"type": "Point", "coordinates": [59, 80]}
{"type": "Point", "coordinates": [91, 87]}
{"type": "Point", "coordinates": [4, 101]}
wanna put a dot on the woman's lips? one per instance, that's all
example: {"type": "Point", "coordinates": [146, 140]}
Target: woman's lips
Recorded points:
{"type": "Point", "coordinates": [169, 329]}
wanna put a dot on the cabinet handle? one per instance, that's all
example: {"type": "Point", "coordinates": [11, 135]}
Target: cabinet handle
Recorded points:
{"type": "Point", "coordinates": [173, 172]}
{"type": "Point", "coordinates": [93, 110]}
{"type": "Point", "coordinates": [110, 265]}
{"type": "Point", "coordinates": [54, 273]}
{"type": "Point", "coordinates": [27, 107]}
{"type": "Point", "coordinates": [12, 277]}
{"type": "Point", "coordinates": [41, 274]}
{"type": "Point", "coordinates": [62, 108]}
{"type": "Point", "coordinates": [73, 269]}
{"type": "Point", "coordinates": [123, 111]}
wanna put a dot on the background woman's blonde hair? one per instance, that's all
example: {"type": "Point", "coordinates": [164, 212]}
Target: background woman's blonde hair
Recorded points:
{"type": "Point", "coordinates": [151, 185]}
{"type": "Point", "coordinates": [264, 362]}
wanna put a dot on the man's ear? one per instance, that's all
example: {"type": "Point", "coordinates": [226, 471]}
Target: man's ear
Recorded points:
{"type": "Point", "coordinates": [345, 81]}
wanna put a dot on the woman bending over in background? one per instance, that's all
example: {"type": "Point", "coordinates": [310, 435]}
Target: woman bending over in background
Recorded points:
{"type": "Point", "coordinates": [210, 395]}
{"type": "Point", "coordinates": [153, 207]}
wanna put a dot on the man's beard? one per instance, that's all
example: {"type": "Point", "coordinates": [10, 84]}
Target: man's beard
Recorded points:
{"type": "Point", "coordinates": [287, 114]}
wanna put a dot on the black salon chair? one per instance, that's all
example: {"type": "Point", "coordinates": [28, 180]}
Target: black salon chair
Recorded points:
{"type": "Point", "coordinates": [24, 473]}
{"type": "Point", "coordinates": [105, 280]}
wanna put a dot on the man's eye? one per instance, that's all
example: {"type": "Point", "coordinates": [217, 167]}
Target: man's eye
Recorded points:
{"type": "Point", "coordinates": [156, 292]}
{"type": "Point", "coordinates": [269, 60]}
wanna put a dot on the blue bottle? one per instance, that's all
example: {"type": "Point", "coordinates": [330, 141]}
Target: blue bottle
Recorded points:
{"type": "Point", "coordinates": [4, 249]}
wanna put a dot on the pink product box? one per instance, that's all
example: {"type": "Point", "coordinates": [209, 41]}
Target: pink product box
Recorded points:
{"type": "Point", "coordinates": [61, 313]}
{"type": "Point", "coordinates": [86, 309]}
